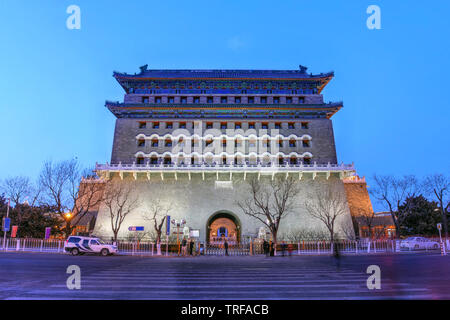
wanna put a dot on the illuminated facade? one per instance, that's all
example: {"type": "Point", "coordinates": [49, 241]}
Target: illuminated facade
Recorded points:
{"type": "Point", "coordinates": [192, 137]}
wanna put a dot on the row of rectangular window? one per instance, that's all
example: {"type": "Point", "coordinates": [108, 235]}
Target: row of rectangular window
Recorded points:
{"type": "Point", "coordinates": [250, 100]}
{"type": "Point", "coordinates": [168, 160]}
{"type": "Point", "coordinates": [224, 125]}
{"type": "Point", "coordinates": [169, 143]}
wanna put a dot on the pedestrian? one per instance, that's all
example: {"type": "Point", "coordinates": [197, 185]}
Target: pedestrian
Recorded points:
{"type": "Point", "coordinates": [271, 248]}
{"type": "Point", "coordinates": [191, 247]}
{"type": "Point", "coordinates": [226, 247]}
{"type": "Point", "coordinates": [337, 255]}
{"type": "Point", "coordinates": [283, 248]}
{"type": "Point", "coordinates": [266, 248]}
{"type": "Point", "coordinates": [290, 248]}
{"type": "Point", "coordinates": [183, 246]}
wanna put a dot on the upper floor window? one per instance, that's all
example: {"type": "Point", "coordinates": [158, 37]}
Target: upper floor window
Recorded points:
{"type": "Point", "coordinates": [141, 143]}
{"type": "Point", "coordinates": [208, 142]}
{"type": "Point", "coordinates": [291, 125]}
{"type": "Point", "coordinates": [277, 125]}
{"type": "Point", "coordinates": [142, 124]}
{"type": "Point", "coordinates": [154, 142]}
{"type": "Point", "coordinates": [237, 125]}
{"type": "Point", "coordinates": [288, 99]}
{"type": "Point", "coordinates": [183, 99]}
{"type": "Point", "coordinates": [223, 99]}
{"type": "Point", "coordinates": [168, 143]}
{"type": "Point", "coordinates": [251, 125]}
{"type": "Point", "coordinates": [182, 125]}
{"type": "Point", "coordinates": [263, 99]}
{"type": "Point", "coordinates": [139, 160]}
{"type": "Point", "coordinates": [223, 125]}
{"type": "Point", "coordinates": [292, 143]}
{"type": "Point", "coordinates": [155, 125]}
{"type": "Point", "coordinates": [144, 99]}
{"type": "Point", "coordinates": [237, 100]}
{"type": "Point", "coordinates": [301, 100]}
{"type": "Point", "coordinates": [305, 125]}
{"type": "Point", "coordinates": [264, 125]}
{"type": "Point", "coordinates": [153, 160]}
{"type": "Point", "coordinates": [251, 100]}
{"type": "Point", "coordinates": [210, 99]}
{"type": "Point", "coordinates": [307, 160]}
{"type": "Point", "coordinates": [158, 100]}
{"type": "Point", "coordinates": [209, 125]}
{"type": "Point", "coordinates": [276, 100]}
{"type": "Point", "coordinates": [306, 143]}
{"type": "Point", "coordinates": [196, 99]}
{"type": "Point", "coordinates": [171, 99]}
{"type": "Point", "coordinates": [169, 125]}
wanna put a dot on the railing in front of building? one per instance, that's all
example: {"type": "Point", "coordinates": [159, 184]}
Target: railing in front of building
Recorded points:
{"type": "Point", "coordinates": [147, 248]}
{"type": "Point", "coordinates": [226, 167]}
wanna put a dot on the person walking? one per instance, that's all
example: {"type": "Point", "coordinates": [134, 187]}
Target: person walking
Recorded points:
{"type": "Point", "coordinates": [337, 255]}
{"type": "Point", "coordinates": [266, 248]}
{"type": "Point", "coordinates": [283, 248]}
{"type": "Point", "coordinates": [290, 248]}
{"type": "Point", "coordinates": [271, 248]}
{"type": "Point", "coordinates": [184, 246]}
{"type": "Point", "coordinates": [191, 247]}
{"type": "Point", "coordinates": [225, 245]}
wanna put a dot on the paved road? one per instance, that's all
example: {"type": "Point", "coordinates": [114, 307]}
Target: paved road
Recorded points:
{"type": "Point", "coordinates": [403, 276]}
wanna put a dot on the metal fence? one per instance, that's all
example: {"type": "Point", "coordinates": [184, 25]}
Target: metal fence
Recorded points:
{"type": "Point", "coordinates": [200, 248]}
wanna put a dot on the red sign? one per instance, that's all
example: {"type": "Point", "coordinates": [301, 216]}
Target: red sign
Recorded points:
{"type": "Point", "coordinates": [14, 231]}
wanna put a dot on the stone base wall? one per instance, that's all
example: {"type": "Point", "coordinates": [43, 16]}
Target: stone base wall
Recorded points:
{"type": "Point", "coordinates": [196, 200]}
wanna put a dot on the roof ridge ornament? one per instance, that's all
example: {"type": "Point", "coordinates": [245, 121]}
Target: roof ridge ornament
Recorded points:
{"type": "Point", "coordinates": [302, 68]}
{"type": "Point", "coordinates": [144, 68]}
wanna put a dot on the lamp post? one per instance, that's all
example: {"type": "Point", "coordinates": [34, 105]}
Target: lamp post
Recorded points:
{"type": "Point", "coordinates": [178, 224]}
{"type": "Point", "coordinates": [68, 217]}
{"type": "Point", "coordinates": [4, 231]}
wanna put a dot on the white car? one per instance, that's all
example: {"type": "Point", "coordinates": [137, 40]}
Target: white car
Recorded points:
{"type": "Point", "coordinates": [80, 245]}
{"type": "Point", "coordinates": [418, 243]}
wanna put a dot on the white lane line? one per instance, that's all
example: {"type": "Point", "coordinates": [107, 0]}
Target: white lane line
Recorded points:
{"type": "Point", "coordinates": [224, 286]}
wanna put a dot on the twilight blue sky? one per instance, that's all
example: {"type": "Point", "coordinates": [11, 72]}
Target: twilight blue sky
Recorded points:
{"type": "Point", "coordinates": [394, 81]}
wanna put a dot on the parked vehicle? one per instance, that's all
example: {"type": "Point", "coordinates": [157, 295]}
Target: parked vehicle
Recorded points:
{"type": "Point", "coordinates": [80, 245]}
{"type": "Point", "coordinates": [418, 243]}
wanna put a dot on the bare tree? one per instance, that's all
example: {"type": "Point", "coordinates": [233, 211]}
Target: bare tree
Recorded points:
{"type": "Point", "coordinates": [301, 234]}
{"type": "Point", "coordinates": [439, 185]}
{"type": "Point", "coordinates": [86, 196]}
{"type": "Point", "coordinates": [326, 204]}
{"type": "Point", "coordinates": [119, 201]}
{"type": "Point", "coordinates": [270, 202]}
{"type": "Point", "coordinates": [157, 213]}
{"type": "Point", "coordinates": [63, 190]}
{"type": "Point", "coordinates": [392, 192]}
{"type": "Point", "coordinates": [20, 189]}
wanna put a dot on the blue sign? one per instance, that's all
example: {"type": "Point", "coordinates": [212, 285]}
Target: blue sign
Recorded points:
{"type": "Point", "coordinates": [135, 228]}
{"type": "Point", "coordinates": [6, 224]}
{"type": "Point", "coordinates": [168, 225]}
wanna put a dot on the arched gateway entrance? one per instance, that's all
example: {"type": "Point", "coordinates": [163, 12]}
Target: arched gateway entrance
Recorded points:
{"type": "Point", "coordinates": [223, 225]}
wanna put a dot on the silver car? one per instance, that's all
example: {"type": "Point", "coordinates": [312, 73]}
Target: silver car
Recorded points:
{"type": "Point", "coordinates": [418, 243]}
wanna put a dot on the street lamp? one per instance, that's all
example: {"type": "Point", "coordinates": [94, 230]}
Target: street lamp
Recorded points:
{"type": "Point", "coordinates": [178, 224]}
